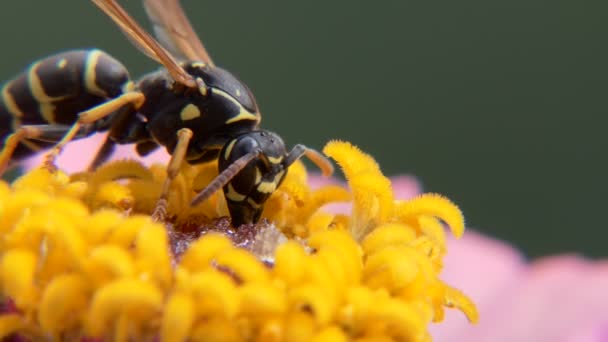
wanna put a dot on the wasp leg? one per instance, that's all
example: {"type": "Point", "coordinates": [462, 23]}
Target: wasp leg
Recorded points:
{"type": "Point", "coordinates": [177, 157]}
{"type": "Point", "coordinates": [11, 143]}
{"type": "Point", "coordinates": [314, 156]}
{"type": "Point", "coordinates": [90, 116]}
{"type": "Point", "coordinates": [44, 133]}
{"type": "Point", "coordinates": [104, 152]}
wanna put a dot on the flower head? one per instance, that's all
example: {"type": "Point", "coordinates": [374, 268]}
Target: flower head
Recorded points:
{"type": "Point", "coordinates": [80, 258]}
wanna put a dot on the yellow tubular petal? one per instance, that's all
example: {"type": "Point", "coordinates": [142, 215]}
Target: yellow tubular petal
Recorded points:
{"type": "Point", "coordinates": [297, 191]}
{"type": "Point", "coordinates": [17, 271]}
{"type": "Point", "coordinates": [75, 190]}
{"type": "Point", "coordinates": [346, 249]}
{"type": "Point", "coordinates": [319, 198]}
{"type": "Point", "coordinates": [178, 319]}
{"type": "Point", "coordinates": [318, 274]}
{"type": "Point", "coordinates": [330, 194]}
{"type": "Point", "coordinates": [297, 172]}
{"type": "Point", "coordinates": [122, 328]}
{"type": "Point", "coordinates": [372, 308]}
{"type": "Point", "coordinates": [331, 334]}
{"type": "Point", "coordinates": [369, 184]}
{"type": "Point", "coordinates": [138, 299]}
{"type": "Point", "coordinates": [262, 299]}
{"type": "Point", "coordinates": [5, 191]}
{"type": "Point", "coordinates": [10, 323]}
{"type": "Point", "coordinates": [358, 301]}
{"type": "Point", "coordinates": [290, 259]}
{"type": "Point", "coordinates": [390, 268]}
{"type": "Point", "coordinates": [456, 299]}
{"type": "Point", "coordinates": [54, 261]}
{"type": "Point", "coordinates": [200, 253]}
{"type": "Point", "coordinates": [111, 194]}
{"type": "Point", "coordinates": [108, 262]}
{"type": "Point", "coordinates": [429, 249]}
{"type": "Point", "coordinates": [125, 233]}
{"type": "Point", "coordinates": [41, 179]}
{"type": "Point", "coordinates": [319, 222]}
{"type": "Point", "coordinates": [314, 299]}
{"type": "Point", "coordinates": [206, 173]}
{"type": "Point", "coordinates": [350, 158]}
{"type": "Point", "coordinates": [216, 330]}
{"type": "Point", "coordinates": [271, 330]}
{"type": "Point", "coordinates": [243, 264]}
{"type": "Point", "coordinates": [391, 234]}
{"type": "Point", "coordinates": [152, 254]}
{"type": "Point", "coordinates": [214, 293]}
{"type": "Point", "coordinates": [68, 206]}
{"type": "Point", "coordinates": [299, 326]}
{"type": "Point", "coordinates": [333, 238]}
{"type": "Point", "coordinates": [21, 203]}
{"type": "Point", "coordinates": [343, 272]}
{"type": "Point", "coordinates": [72, 243]}
{"type": "Point", "coordinates": [433, 205]}
{"type": "Point", "coordinates": [438, 313]}
{"type": "Point", "coordinates": [48, 221]}
{"type": "Point", "coordinates": [179, 196]}
{"type": "Point", "coordinates": [63, 303]}
{"type": "Point", "coordinates": [99, 225]}
{"type": "Point", "coordinates": [432, 227]}
{"type": "Point", "coordinates": [120, 170]}
{"type": "Point", "coordinates": [372, 192]}
{"type": "Point", "coordinates": [402, 318]}
{"type": "Point", "coordinates": [146, 193]}
{"type": "Point", "coordinates": [345, 268]}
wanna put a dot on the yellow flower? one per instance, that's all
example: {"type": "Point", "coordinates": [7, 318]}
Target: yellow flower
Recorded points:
{"type": "Point", "coordinates": [80, 257]}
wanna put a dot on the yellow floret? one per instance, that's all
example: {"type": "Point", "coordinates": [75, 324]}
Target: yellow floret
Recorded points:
{"type": "Point", "coordinates": [80, 257]}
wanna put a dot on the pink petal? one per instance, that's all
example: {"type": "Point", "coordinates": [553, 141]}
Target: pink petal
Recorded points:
{"type": "Point", "coordinates": [484, 269]}
{"type": "Point", "coordinates": [405, 187]}
{"type": "Point", "coordinates": [78, 154]}
{"type": "Point", "coordinates": [560, 298]}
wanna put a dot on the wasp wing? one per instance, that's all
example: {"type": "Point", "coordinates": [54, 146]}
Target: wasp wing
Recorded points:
{"type": "Point", "coordinates": [144, 42]}
{"type": "Point", "coordinates": [174, 31]}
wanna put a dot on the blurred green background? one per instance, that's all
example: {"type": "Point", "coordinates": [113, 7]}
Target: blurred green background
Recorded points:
{"type": "Point", "coordinates": [500, 105]}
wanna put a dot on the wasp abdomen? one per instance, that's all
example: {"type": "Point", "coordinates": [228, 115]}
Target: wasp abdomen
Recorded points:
{"type": "Point", "coordinates": [55, 89]}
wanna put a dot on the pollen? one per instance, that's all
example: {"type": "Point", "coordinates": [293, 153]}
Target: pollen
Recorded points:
{"type": "Point", "coordinates": [81, 258]}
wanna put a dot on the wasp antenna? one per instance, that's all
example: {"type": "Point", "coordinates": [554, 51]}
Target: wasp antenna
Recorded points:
{"type": "Point", "coordinates": [225, 177]}
{"type": "Point", "coordinates": [327, 169]}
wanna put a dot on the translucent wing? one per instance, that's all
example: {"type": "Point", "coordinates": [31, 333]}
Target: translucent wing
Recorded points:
{"type": "Point", "coordinates": [174, 31]}
{"type": "Point", "coordinates": [142, 40]}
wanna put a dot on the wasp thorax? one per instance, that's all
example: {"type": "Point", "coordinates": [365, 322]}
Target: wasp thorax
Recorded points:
{"type": "Point", "coordinates": [222, 81]}
{"type": "Point", "coordinates": [218, 109]}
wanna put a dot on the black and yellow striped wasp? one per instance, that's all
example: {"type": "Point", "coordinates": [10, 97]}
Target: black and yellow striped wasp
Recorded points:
{"type": "Point", "coordinates": [196, 110]}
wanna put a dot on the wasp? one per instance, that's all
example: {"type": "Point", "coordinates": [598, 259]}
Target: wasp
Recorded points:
{"type": "Point", "coordinates": [199, 112]}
